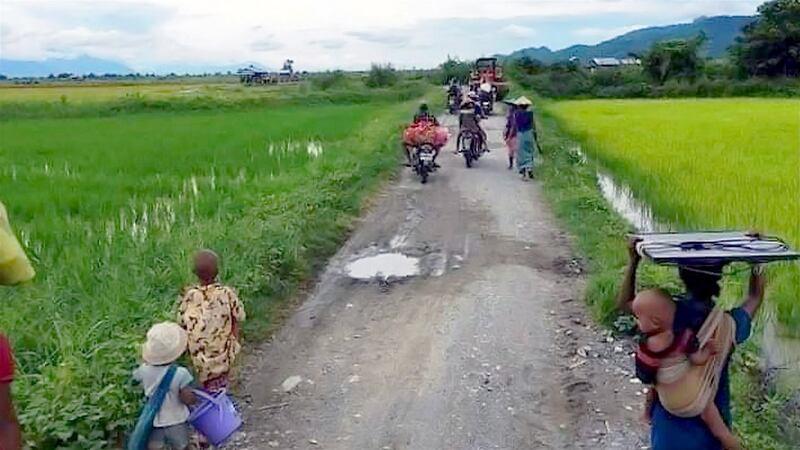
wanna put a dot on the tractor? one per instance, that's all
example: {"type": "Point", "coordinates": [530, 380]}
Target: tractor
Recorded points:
{"type": "Point", "coordinates": [488, 69]}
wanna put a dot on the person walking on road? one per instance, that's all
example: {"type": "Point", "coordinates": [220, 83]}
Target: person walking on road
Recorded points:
{"type": "Point", "coordinates": [510, 135]}
{"type": "Point", "coordinates": [167, 386]}
{"type": "Point", "coordinates": [667, 431]}
{"type": "Point", "coordinates": [526, 136]}
{"type": "Point", "coordinates": [210, 313]}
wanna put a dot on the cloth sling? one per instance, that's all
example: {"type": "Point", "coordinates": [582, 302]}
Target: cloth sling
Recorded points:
{"type": "Point", "coordinates": [685, 389]}
{"type": "Point", "coordinates": [144, 426]}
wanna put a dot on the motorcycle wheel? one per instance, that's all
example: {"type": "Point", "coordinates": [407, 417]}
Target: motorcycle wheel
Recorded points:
{"type": "Point", "coordinates": [423, 175]}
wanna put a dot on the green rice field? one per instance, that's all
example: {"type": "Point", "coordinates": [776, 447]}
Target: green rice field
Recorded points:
{"type": "Point", "coordinates": [705, 164]}
{"type": "Point", "coordinates": [111, 209]}
{"type": "Point", "coordinates": [99, 92]}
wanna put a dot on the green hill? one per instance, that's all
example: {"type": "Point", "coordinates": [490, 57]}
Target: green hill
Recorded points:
{"type": "Point", "coordinates": [721, 32]}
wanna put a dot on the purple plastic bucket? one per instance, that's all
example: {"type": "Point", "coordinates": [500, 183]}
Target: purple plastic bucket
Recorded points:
{"type": "Point", "coordinates": [215, 418]}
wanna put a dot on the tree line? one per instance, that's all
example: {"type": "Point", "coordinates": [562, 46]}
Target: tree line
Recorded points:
{"type": "Point", "coordinates": [764, 60]}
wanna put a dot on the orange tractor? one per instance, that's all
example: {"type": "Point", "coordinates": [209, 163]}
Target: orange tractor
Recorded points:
{"type": "Point", "coordinates": [487, 69]}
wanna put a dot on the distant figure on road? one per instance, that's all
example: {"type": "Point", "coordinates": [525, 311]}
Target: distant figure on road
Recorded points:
{"type": "Point", "coordinates": [211, 313]}
{"type": "Point", "coordinates": [526, 136]}
{"type": "Point", "coordinates": [454, 90]}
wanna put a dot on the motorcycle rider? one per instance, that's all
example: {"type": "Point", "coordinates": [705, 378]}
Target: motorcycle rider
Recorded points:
{"type": "Point", "coordinates": [485, 93]}
{"type": "Point", "coordinates": [469, 119]}
{"type": "Point", "coordinates": [424, 115]}
{"type": "Point", "coordinates": [454, 92]}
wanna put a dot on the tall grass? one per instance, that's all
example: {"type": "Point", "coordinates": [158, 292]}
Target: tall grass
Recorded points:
{"type": "Point", "coordinates": [111, 209]}
{"type": "Point", "coordinates": [705, 164]}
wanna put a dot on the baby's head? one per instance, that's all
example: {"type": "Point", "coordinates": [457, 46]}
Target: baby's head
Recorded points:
{"type": "Point", "coordinates": [654, 310]}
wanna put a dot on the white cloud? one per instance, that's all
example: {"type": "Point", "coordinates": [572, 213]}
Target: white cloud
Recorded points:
{"type": "Point", "coordinates": [519, 31]}
{"type": "Point", "coordinates": [321, 33]}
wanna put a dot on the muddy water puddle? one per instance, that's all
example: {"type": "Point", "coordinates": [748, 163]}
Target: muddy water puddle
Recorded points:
{"type": "Point", "coordinates": [396, 263]}
{"type": "Point", "coordinates": [383, 266]}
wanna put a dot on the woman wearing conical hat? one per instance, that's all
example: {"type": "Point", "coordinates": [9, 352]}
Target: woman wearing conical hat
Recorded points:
{"type": "Point", "coordinates": [525, 133]}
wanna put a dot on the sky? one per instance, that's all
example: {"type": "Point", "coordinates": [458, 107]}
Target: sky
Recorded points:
{"type": "Point", "coordinates": [153, 35]}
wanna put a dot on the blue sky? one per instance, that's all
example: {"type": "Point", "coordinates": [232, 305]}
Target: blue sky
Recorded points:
{"type": "Point", "coordinates": [323, 34]}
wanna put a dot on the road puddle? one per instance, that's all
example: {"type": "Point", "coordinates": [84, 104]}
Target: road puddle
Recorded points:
{"type": "Point", "coordinates": [384, 266]}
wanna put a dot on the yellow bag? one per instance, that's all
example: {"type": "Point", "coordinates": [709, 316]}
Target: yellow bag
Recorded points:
{"type": "Point", "coordinates": [14, 264]}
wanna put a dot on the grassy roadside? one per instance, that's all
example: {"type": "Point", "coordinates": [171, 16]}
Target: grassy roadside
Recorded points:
{"type": "Point", "coordinates": [111, 237]}
{"type": "Point", "coordinates": [571, 189]}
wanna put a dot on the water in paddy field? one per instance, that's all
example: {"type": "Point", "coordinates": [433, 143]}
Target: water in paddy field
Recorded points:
{"type": "Point", "coordinates": [314, 149]}
{"type": "Point", "coordinates": [780, 354]}
{"type": "Point", "coordinates": [622, 200]}
{"type": "Point", "coordinates": [383, 267]}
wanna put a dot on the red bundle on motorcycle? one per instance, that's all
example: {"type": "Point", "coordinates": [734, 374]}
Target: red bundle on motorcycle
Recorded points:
{"type": "Point", "coordinates": [425, 133]}
{"type": "Point", "coordinates": [440, 137]}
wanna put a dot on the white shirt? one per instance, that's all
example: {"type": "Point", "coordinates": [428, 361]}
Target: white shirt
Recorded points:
{"type": "Point", "coordinates": [173, 411]}
{"type": "Point", "coordinates": [486, 87]}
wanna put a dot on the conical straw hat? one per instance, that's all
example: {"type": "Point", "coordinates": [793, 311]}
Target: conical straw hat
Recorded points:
{"type": "Point", "coordinates": [523, 101]}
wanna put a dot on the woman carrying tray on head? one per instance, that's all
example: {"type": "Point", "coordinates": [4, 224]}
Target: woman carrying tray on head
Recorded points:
{"type": "Point", "coordinates": [668, 430]}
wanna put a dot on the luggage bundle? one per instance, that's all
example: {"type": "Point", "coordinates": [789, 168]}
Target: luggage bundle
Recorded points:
{"type": "Point", "coordinates": [425, 133]}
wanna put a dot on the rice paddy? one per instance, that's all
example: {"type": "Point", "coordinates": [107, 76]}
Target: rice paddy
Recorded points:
{"type": "Point", "coordinates": [705, 164]}
{"type": "Point", "coordinates": [111, 208]}
{"type": "Point", "coordinates": [99, 92]}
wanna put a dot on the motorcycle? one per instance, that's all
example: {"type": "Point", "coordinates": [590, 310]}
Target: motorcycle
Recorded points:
{"type": "Point", "coordinates": [453, 103]}
{"type": "Point", "coordinates": [423, 161]}
{"type": "Point", "coordinates": [486, 102]}
{"type": "Point", "coordinates": [487, 106]}
{"type": "Point", "coordinates": [470, 146]}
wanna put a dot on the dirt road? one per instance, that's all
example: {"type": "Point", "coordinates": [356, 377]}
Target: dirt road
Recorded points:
{"type": "Point", "coordinates": [486, 347]}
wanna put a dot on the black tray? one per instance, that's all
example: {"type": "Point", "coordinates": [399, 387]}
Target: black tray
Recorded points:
{"type": "Point", "coordinates": [712, 248]}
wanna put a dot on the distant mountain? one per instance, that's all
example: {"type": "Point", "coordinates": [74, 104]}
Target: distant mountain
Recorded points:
{"type": "Point", "coordinates": [721, 32]}
{"type": "Point", "coordinates": [81, 65]}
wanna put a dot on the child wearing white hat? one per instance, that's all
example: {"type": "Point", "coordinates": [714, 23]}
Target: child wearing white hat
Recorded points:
{"type": "Point", "coordinates": [165, 343]}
